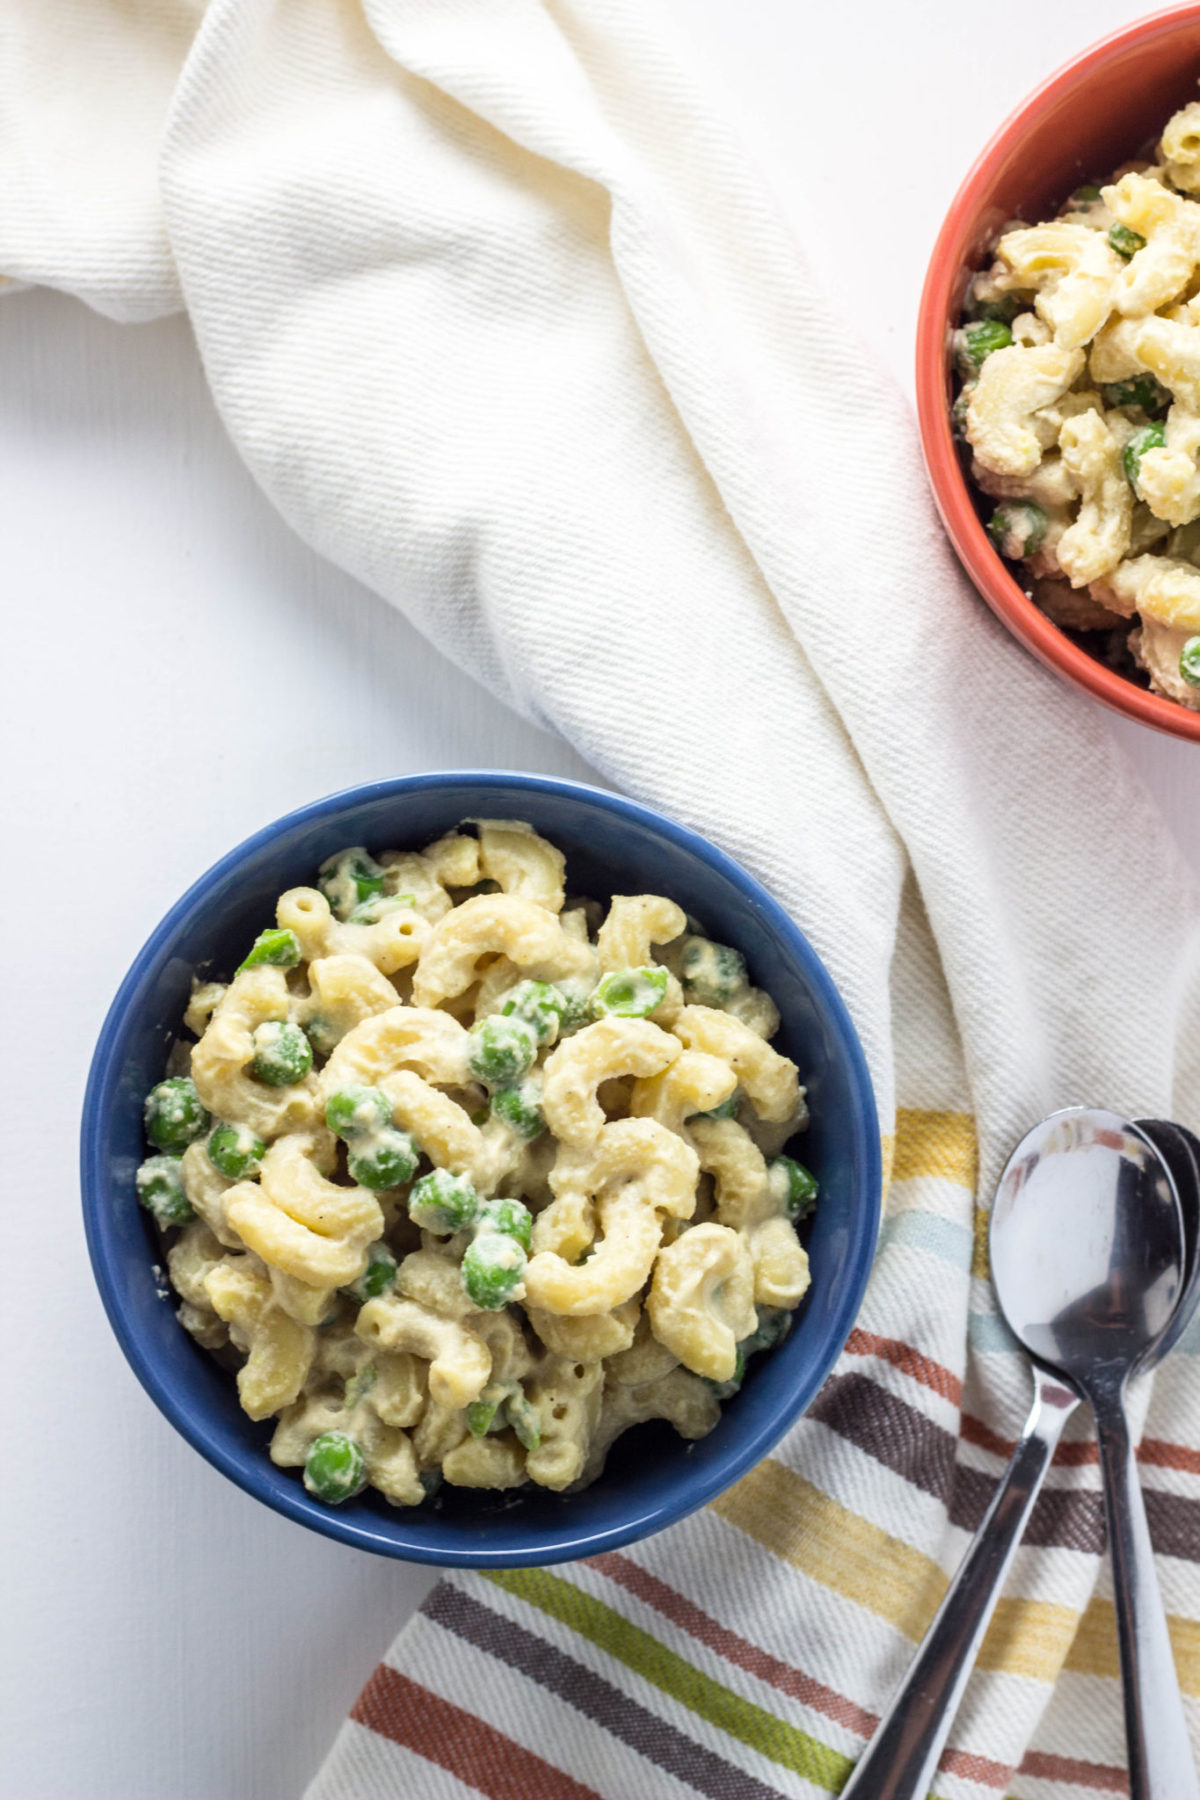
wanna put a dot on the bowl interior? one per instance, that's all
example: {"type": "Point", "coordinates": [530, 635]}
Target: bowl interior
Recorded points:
{"type": "Point", "coordinates": [1105, 108]}
{"type": "Point", "coordinates": [612, 846]}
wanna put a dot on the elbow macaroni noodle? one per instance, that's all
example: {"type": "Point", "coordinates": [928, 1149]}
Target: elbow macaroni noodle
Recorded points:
{"type": "Point", "coordinates": [465, 1179]}
{"type": "Point", "coordinates": [1080, 404]}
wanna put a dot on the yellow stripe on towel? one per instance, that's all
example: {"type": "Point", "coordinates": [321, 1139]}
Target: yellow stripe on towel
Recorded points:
{"type": "Point", "coordinates": [808, 1529]}
{"type": "Point", "coordinates": [851, 1556]}
{"type": "Point", "coordinates": [938, 1144]}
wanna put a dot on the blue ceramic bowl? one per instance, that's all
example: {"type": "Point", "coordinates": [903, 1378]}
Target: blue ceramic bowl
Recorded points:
{"type": "Point", "coordinates": [653, 1477]}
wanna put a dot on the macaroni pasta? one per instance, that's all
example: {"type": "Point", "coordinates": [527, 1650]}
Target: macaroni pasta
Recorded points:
{"type": "Point", "coordinates": [464, 1178]}
{"type": "Point", "coordinates": [1079, 358]}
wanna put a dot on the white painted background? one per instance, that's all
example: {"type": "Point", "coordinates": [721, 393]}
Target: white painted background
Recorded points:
{"type": "Point", "coordinates": [164, 1637]}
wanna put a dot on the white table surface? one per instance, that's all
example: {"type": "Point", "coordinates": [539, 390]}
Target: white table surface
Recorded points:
{"type": "Point", "coordinates": [165, 1637]}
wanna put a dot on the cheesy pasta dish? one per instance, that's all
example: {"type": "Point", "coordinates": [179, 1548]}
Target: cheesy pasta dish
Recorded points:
{"type": "Point", "coordinates": [464, 1178]}
{"type": "Point", "coordinates": [1080, 404]}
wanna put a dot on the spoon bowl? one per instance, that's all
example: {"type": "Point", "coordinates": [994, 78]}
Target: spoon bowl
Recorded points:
{"type": "Point", "coordinates": [1180, 1151]}
{"type": "Point", "coordinates": [1087, 1245]}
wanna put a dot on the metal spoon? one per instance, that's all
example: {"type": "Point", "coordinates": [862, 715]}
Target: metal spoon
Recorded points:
{"type": "Point", "coordinates": [1180, 1150]}
{"type": "Point", "coordinates": [1087, 1250]}
{"type": "Point", "coordinates": [1161, 1765]}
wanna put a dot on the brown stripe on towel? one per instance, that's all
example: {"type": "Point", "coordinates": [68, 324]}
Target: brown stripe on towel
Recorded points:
{"type": "Point", "coordinates": [923, 1452]}
{"type": "Point", "coordinates": [400, 1709]}
{"type": "Point", "coordinates": [1153, 1452]}
{"type": "Point", "coordinates": [728, 1644]}
{"type": "Point", "coordinates": [904, 1440]}
{"type": "Point", "coordinates": [922, 1368]}
{"type": "Point", "coordinates": [770, 1669]}
{"type": "Point", "coordinates": [1072, 1773]}
{"type": "Point", "coordinates": [635, 1725]}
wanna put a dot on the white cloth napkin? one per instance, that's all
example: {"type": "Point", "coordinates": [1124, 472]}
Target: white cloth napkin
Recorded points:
{"type": "Point", "coordinates": [501, 321]}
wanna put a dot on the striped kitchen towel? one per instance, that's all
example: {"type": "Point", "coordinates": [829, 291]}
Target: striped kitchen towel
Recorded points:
{"type": "Point", "coordinates": [502, 322]}
{"type": "Point", "coordinates": [744, 1655]}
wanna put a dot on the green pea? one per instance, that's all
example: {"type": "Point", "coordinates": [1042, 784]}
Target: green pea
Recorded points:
{"type": "Point", "coordinates": [1125, 242]}
{"type": "Point", "coordinates": [1150, 437]}
{"type": "Point", "coordinates": [523, 1419]}
{"type": "Point", "coordinates": [1183, 545]}
{"type": "Point", "coordinates": [282, 1054]}
{"type": "Point", "coordinates": [431, 1480]}
{"type": "Point", "coordinates": [540, 1005]}
{"type": "Point", "coordinates": [510, 1217]}
{"type": "Point", "coordinates": [501, 1050]}
{"type": "Point", "coordinates": [711, 973]}
{"type": "Point", "coordinates": [793, 1185]}
{"type": "Point", "coordinates": [774, 1323]}
{"type": "Point", "coordinates": [573, 998]}
{"type": "Point", "coordinates": [173, 1114]}
{"type": "Point", "coordinates": [277, 949]}
{"type": "Point", "coordinates": [443, 1202]}
{"type": "Point", "coordinates": [377, 1278]}
{"type": "Point", "coordinates": [1002, 310]}
{"type": "Point", "coordinates": [1138, 390]}
{"type": "Point", "coordinates": [629, 993]}
{"type": "Point", "coordinates": [1189, 661]}
{"type": "Point", "coordinates": [383, 1160]}
{"type": "Point", "coordinates": [728, 1109]}
{"type": "Point", "coordinates": [360, 1384]}
{"type": "Point", "coordinates": [348, 878]}
{"type": "Point", "coordinates": [492, 1270]}
{"type": "Point", "coordinates": [520, 1108]}
{"type": "Point", "coordinates": [322, 1035]}
{"type": "Point", "coordinates": [958, 414]}
{"type": "Point", "coordinates": [160, 1190]}
{"type": "Point", "coordinates": [977, 341]}
{"type": "Point", "coordinates": [335, 1469]}
{"type": "Point", "coordinates": [725, 1390]}
{"type": "Point", "coordinates": [481, 1417]}
{"type": "Point", "coordinates": [1087, 195]}
{"type": "Point", "coordinates": [356, 1110]}
{"type": "Point", "coordinates": [1017, 529]}
{"type": "Point", "coordinates": [235, 1152]}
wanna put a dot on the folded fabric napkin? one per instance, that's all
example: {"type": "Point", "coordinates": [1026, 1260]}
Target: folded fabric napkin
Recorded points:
{"type": "Point", "coordinates": [501, 321]}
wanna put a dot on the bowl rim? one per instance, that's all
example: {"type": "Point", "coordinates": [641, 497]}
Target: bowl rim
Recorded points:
{"type": "Point", "coordinates": [395, 1541]}
{"type": "Point", "coordinates": [950, 491]}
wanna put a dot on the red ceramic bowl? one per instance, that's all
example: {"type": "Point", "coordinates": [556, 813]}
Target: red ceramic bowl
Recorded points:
{"type": "Point", "coordinates": [1092, 115]}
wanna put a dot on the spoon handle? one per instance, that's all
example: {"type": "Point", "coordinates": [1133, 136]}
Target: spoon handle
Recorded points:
{"type": "Point", "coordinates": [1161, 1765]}
{"type": "Point", "coordinates": [901, 1759]}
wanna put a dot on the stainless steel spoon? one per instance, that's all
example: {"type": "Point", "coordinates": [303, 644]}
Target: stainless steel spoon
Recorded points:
{"type": "Point", "coordinates": [1180, 1150]}
{"type": "Point", "coordinates": [1088, 1251]}
{"type": "Point", "coordinates": [1161, 1765]}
